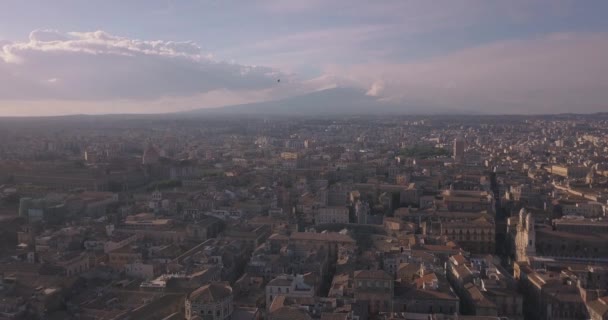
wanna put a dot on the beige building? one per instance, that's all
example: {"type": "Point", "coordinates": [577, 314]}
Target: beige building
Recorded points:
{"type": "Point", "coordinates": [476, 236]}
{"type": "Point", "coordinates": [569, 171]}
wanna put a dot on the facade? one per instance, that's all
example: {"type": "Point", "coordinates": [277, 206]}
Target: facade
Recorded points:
{"type": "Point", "coordinates": [459, 145]}
{"type": "Point", "coordinates": [581, 225]}
{"type": "Point", "coordinates": [74, 264]}
{"type": "Point", "coordinates": [304, 242]}
{"type": "Point", "coordinates": [361, 212]}
{"type": "Point", "coordinates": [140, 270]}
{"type": "Point", "coordinates": [476, 236]}
{"type": "Point", "coordinates": [290, 287]}
{"type": "Point", "coordinates": [332, 215]}
{"type": "Point", "coordinates": [376, 287]}
{"type": "Point", "coordinates": [120, 257]}
{"type": "Point", "coordinates": [468, 201]}
{"type": "Point", "coordinates": [570, 171]}
{"type": "Point", "coordinates": [212, 301]}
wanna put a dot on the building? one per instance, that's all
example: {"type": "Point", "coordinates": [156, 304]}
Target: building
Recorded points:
{"type": "Point", "coordinates": [304, 242]}
{"type": "Point", "coordinates": [459, 145]}
{"type": "Point", "coordinates": [337, 195]}
{"type": "Point", "coordinates": [549, 294]}
{"type": "Point", "coordinates": [569, 171]}
{"type": "Point", "coordinates": [376, 287]}
{"type": "Point", "coordinates": [576, 224]}
{"type": "Point", "coordinates": [485, 289]}
{"type": "Point", "coordinates": [252, 235]}
{"type": "Point", "coordinates": [362, 212]}
{"type": "Point", "coordinates": [468, 200]}
{"type": "Point", "coordinates": [212, 301]}
{"type": "Point", "coordinates": [476, 236]}
{"type": "Point", "coordinates": [332, 215]}
{"type": "Point", "coordinates": [151, 155]}
{"type": "Point", "coordinates": [141, 270]}
{"type": "Point", "coordinates": [74, 263]}
{"type": "Point", "coordinates": [119, 258]}
{"type": "Point", "coordinates": [290, 287]}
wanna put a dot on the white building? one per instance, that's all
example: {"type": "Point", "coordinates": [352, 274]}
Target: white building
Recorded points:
{"type": "Point", "coordinates": [288, 286]}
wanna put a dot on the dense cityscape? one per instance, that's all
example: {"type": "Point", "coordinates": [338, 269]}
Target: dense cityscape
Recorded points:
{"type": "Point", "coordinates": [335, 218]}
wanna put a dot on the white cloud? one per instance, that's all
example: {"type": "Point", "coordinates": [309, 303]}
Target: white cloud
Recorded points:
{"type": "Point", "coordinates": [376, 89]}
{"type": "Point", "coordinates": [96, 72]}
{"type": "Point", "coordinates": [97, 66]}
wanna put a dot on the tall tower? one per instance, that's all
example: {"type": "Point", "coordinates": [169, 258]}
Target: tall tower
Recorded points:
{"type": "Point", "coordinates": [361, 212]}
{"type": "Point", "coordinates": [525, 240]}
{"type": "Point", "coordinates": [459, 145]}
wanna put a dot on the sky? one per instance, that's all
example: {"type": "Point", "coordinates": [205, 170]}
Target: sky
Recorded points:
{"type": "Point", "coordinates": [151, 56]}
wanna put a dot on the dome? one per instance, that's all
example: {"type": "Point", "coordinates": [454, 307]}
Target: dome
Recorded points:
{"type": "Point", "coordinates": [211, 293]}
{"type": "Point", "coordinates": [151, 155]}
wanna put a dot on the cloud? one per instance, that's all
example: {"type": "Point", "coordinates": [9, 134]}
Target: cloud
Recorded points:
{"type": "Point", "coordinates": [376, 89]}
{"type": "Point", "coordinates": [47, 35]}
{"type": "Point", "coordinates": [97, 66]}
{"type": "Point", "coordinates": [96, 72]}
{"type": "Point", "coordinates": [563, 72]}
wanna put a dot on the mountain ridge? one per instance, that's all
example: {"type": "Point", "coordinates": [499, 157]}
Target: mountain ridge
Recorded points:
{"type": "Point", "coordinates": [332, 101]}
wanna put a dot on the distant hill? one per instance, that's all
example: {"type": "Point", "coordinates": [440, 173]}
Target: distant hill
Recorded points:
{"type": "Point", "coordinates": [325, 102]}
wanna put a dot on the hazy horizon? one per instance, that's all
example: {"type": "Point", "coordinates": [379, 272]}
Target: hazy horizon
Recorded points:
{"type": "Point", "coordinates": [489, 57]}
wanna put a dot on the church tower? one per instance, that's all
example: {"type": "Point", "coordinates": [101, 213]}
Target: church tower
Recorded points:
{"type": "Point", "coordinates": [525, 239]}
{"type": "Point", "coordinates": [590, 178]}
